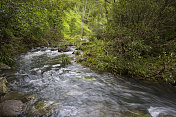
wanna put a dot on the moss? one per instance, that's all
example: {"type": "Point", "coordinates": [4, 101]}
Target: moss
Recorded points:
{"type": "Point", "coordinates": [43, 108]}
{"type": "Point", "coordinates": [40, 105]}
{"type": "Point", "coordinates": [3, 87]}
{"type": "Point", "coordinates": [133, 114]}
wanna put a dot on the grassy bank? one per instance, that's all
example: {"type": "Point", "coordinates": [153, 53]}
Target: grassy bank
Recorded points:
{"type": "Point", "coordinates": [103, 56]}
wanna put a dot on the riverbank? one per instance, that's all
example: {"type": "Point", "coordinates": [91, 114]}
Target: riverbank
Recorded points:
{"type": "Point", "coordinates": [103, 55]}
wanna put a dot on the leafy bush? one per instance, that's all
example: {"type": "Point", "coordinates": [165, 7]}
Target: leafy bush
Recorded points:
{"type": "Point", "coordinates": [8, 60]}
{"type": "Point", "coordinates": [77, 52]}
{"type": "Point", "coordinates": [65, 59]}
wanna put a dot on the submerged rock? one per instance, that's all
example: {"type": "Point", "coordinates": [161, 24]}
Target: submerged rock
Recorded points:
{"type": "Point", "coordinates": [74, 93]}
{"type": "Point", "coordinates": [134, 113]}
{"type": "Point", "coordinates": [43, 108]}
{"type": "Point", "coordinates": [165, 115]}
{"type": "Point", "coordinates": [12, 96]}
{"type": "Point", "coordinates": [11, 108]}
{"type": "Point", "coordinates": [29, 98]}
{"type": "Point", "coordinates": [3, 87]}
{"type": "Point", "coordinates": [90, 78]}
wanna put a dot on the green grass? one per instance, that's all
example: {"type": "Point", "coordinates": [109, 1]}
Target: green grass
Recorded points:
{"type": "Point", "coordinates": [65, 59]}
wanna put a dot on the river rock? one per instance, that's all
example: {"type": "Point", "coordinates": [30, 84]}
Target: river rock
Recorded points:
{"type": "Point", "coordinates": [161, 115]}
{"type": "Point", "coordinates": [43, 108]}
{"type": "Point", "coordinates": [3, 87]}
{"type": "Point", "coordinates": [63, 49]}
{"type": "Point", "coordinates": [4, 66]}
{"type": "Point", "coordinates": [13, 96]}
{"type": "Point", "coordinates": [29, 99]}
{"type": "Point", "coordinates": [11, 108]}
{"type": "Point", "coordinates": [134, 113]}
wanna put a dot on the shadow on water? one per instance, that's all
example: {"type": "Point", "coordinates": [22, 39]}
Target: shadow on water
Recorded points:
{"type": "Point", "coordinates": [82, 92]}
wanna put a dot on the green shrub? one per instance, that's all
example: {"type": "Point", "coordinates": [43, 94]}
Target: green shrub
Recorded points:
{"type": "Point", "coordinates": [77, 52]}
{"type": "Point", "coordinates": [65, 59]}
{"type": "Point", "coordinates": [6, 59]}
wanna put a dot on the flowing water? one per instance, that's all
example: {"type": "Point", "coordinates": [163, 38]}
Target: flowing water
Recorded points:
{"type": "Point", "coordinates": [82, 92]}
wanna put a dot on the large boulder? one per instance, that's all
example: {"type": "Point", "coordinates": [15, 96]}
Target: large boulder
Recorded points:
{"type": "Point", "coordinates": [11, 108]}
{"type": "Point", "coordinates": [28, 99]}
{"type": "Point", "coordinates": [161, 115]}
{"type": "Point", "coordinates": [43, 108]}
{"type": "Point", "coordinates": [3, 87]}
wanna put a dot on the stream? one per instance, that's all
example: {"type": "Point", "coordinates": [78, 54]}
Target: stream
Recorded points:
{"type": "Point", "coordinates": [82, 92]}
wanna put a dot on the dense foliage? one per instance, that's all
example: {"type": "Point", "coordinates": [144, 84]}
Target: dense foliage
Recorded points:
{"type": "Point", "coordinates": [144, 33]}
{"type": "Point", "coordinates": [140, 40]}
{"type": "Point", "coordinates": [29, 23]}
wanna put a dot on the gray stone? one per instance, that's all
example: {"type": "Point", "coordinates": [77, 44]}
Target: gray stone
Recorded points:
{"type": "Point", "coordinates": [11, 108]}
{"type": "Point", "coordinates": [43, 108]}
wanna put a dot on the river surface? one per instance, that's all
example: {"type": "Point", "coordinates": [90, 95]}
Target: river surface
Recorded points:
{"type": "Point", "coordinates": [82, 92]}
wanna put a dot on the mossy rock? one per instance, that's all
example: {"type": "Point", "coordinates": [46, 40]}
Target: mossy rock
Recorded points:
{"type": "Point", "coordinates": [43, 108]}
{"type": "Point", "coordinates": [29, 99]}
{"type": "Point", "coordinates": [10, 73]}
{"type": "Point", "coordinates": [63, 48]}
{"type": "Point", "coordinates": [3, 87]}
{"type": "Point", "coordinates": [74, 93]}
{"type": "Point", "coordinates": [13, 96]}
{"type": "Point", "coordinates": [134, 113]}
